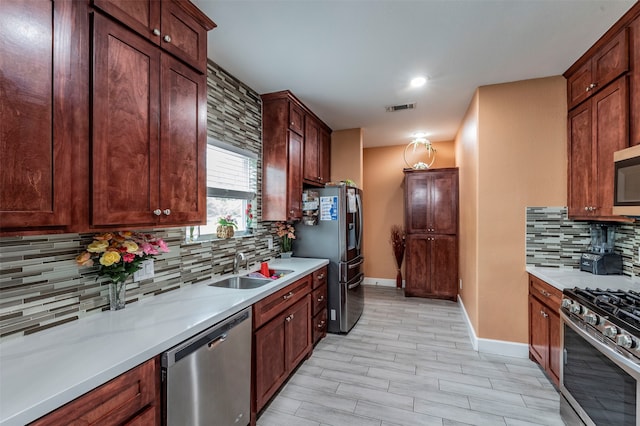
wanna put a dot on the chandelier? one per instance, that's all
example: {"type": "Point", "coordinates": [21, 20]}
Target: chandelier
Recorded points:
{"type": "Point", "coordinates": [422, 148]}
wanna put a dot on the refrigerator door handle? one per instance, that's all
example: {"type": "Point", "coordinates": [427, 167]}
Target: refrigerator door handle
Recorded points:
{"type": "Point", "coordinates": [355, 265]}
{"type": "Point", "coordinates": [354, 285]}
{"type": "Point", "coordinates": [359, 203]}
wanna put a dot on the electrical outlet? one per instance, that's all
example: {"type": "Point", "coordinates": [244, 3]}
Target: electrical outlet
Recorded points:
{"type": "Point", "coordinates": [146, 271]}
{"type": "Point", "coordinates": [270, 242]}
{"type": "Point", "coordinates": [460, 283]}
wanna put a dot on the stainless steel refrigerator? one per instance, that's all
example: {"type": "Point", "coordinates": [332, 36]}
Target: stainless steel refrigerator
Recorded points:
{"type": "Point", "coordinates": [332, 229]}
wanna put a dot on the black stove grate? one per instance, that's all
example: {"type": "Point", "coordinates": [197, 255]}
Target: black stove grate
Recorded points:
{"type": "Point", "coordinates": [619, 306]}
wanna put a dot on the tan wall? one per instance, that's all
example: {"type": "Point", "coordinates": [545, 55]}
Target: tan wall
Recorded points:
{"type": "Point", "coordinates": [384, 202]}
{"type": "Point", "coordinates": [466, 144]}
{"type": "Point", "coordinates": [521, 161]}
{"type": "Point", "coordinates": [346, 156]}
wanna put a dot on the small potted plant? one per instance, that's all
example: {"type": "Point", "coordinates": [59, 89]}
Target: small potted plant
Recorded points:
{"type": "Point", "coordinates": [226, 225]}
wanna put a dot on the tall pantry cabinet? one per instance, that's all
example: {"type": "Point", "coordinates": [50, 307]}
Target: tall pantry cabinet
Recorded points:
{"type": "Point", "coordinates": [431, 225]}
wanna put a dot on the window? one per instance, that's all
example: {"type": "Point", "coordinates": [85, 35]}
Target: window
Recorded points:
{"type": "Point", "coordinates": [232, 177]}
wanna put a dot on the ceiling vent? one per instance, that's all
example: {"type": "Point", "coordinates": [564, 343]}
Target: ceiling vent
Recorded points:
{"type": "Point", "coordinates": [401, 107]}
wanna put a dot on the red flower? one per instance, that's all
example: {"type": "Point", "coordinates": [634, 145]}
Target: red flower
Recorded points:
{"type": "Point", "coordinates": [128, 257]}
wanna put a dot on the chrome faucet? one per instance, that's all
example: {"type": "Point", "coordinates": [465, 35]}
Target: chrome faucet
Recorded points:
{"type": "Point", "coordinates": [239, 257]}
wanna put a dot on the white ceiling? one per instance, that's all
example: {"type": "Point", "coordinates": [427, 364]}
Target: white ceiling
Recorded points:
{"type": "Point", "coordinates": [348, 59]}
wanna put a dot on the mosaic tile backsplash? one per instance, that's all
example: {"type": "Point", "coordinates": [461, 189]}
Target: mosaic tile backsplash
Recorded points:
{"type": "Point", "coordinates": [40, 284]}
{"type": "Point", "coordinates": [554, 240]}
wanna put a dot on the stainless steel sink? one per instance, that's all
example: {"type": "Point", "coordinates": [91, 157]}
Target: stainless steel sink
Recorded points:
{"type": "Point", "coordinates": [242, 283]}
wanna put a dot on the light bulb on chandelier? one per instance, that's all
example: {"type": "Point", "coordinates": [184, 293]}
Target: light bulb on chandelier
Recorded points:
{"type": "Point", "coordinates": [421, 145]}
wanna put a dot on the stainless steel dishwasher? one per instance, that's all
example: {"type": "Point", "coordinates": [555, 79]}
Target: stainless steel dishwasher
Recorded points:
{"type": "Point", "coordinates": [206, 380]}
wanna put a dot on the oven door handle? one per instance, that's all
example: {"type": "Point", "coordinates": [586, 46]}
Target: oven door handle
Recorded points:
{"type": "Point", "coordinates": [608, 350]}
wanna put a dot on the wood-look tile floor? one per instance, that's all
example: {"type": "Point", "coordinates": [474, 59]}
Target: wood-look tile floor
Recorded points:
{"type": "Point", "coordinates": [409, 361]}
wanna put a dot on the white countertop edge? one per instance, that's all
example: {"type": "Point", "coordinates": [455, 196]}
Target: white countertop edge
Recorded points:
{"type": "Point", "coordinates": [38, 374]}
{"type": "Point", "coordinates": [562, 278]}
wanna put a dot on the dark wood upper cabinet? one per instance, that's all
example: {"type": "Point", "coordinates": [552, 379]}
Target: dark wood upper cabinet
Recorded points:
{"type": "Point", "coordinates": [609, 62]}
{"type": "Point", "coordinates": [294, 142]}
{"type": "Point", "coordinates": [603, 89]}
{"type": "Point", "coordinates": [39, 120]}
{"type": "Point", "coordinates": [432, 201]}
{"type": "Point", "coordinates": [149, 140]}
{"type": "Point", "coordinates": [177, 26]}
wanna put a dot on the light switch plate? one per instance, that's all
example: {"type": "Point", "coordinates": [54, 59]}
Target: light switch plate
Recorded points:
{"type": "Point", "coordinates": [146, 271]}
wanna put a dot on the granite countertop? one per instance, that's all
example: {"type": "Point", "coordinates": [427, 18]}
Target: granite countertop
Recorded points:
{"type": "Point", "coordinates": [562, 278]}
{"type": "Point", "coordinates": [45, 370]}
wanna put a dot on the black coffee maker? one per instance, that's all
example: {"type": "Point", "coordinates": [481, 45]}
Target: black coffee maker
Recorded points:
{"type": "Point", "coordinates": [600, 258]}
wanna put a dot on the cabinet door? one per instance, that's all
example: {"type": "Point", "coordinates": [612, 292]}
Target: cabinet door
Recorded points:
{"type": "Point", "coordinates": [578, 83]}
{"type": "Point", "coordinates": [124, 162]}
{"type": "Point", "coordinates": [271, 368]}
{"type": "Point", "coordinates": [298, 332]}
{"type": "Point", "coordinates": [611, 60]}
{"type": "Point", "coordinates": [538, 332]}
{"type": "Point", "coordinates": [610, 134]}
{"type": "Point", "coordinates": [325, 156]}
{"type": "Point", "coordinates": [417, 265]}
{"type": "Point", "coordinates": [555, 351]}
{"type": "Point", "coordinates": [311, 150]}
{"type": "Point", "coordinates": [294, 177]}
{"type": "Point", "coordinates": [296, 118]}
{"type": "Point", "coordinates": [580, 188]}
{"type": "Point", "coordinates": [443, 199]}
{"type": "Point", "coordinates": [183, 36]}
{"type": "Point", "coordinates": [142, 16]}
{"type": "Point", "coordinates": [34, 153]}
{"type": "Point", "coordinates": [416, 202]}
{"type": "Point", "coordinates": [443, 266]}
{"type": "Point", "coordinates": [634, 83]}
{"type": "Point", "coordinates": [183, 141]}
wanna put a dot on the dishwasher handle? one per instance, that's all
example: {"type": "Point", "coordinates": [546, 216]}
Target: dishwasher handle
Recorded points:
{"type": "Point", "coordinates": [211, 337]}
{"type": "Point", "coordinates": [215, 342]}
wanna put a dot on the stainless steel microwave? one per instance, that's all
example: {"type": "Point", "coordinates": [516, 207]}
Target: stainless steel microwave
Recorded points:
{"type": "Point", "coordinates": [626, 195]}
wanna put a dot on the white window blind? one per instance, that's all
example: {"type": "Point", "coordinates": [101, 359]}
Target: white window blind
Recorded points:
{"type": "Point", "coordinates": [231, 171]}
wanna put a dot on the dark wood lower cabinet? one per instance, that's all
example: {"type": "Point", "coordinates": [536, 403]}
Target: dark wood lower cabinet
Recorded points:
{"type": "Point", "coordinates": [431, 266]}
{"type": "Point", "coordinates": [282, 339]}
{"type": "Point", "coordinates": [544, 327]}
{"type": "Point", "coordinates": [131, 399]}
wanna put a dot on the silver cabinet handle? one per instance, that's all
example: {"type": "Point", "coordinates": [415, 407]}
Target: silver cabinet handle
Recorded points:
{"type": "Point", "coordinates": [167, 38]}
{"type": "Point", "coordinates": [544, 314]}
{"type": "Point", "coordinates": [289, 318]}
{"type": "Point", "coordinates": [321, 324]}
{"type": "Point", "coordinates": [321, 299]}
{"type": "Point", "coordinates": [156, 31]}
{"type": "Point", "coordinates": [288, 296]}
{"type": "Point", "coordinates": [157, 212]}
{"type": "Point", "coordinates": [167, 212]}
{"type": "Point", "coordinates": [321, 277]}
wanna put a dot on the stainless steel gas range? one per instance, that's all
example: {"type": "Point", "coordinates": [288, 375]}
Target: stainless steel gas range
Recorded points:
{"type": "Point", "coordinates": [600, 370]}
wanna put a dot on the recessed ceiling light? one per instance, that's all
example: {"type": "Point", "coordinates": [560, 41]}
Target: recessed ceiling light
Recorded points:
{"type": "Point", "coordinates": [418, 81]}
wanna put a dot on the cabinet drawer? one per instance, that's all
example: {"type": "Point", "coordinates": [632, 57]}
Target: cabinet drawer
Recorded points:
{"type": "Point", "coordinates": [547, 294]}
{"type": "Point", "coordinates": [272, 305]}
{"type": "Point", "coordinates": [319, 277]}
{"type": "Point", "coordinates": [319, 326]}
{"type": "Point", "coordinates": [319, 299]}
{"type": "Point", "coordinates": [120, 401]}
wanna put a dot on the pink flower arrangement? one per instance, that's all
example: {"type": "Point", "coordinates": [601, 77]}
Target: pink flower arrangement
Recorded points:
{"type": "Point", "coordinates": [287, 233]}
{"type": "Point", "coordinates": [119, 254]}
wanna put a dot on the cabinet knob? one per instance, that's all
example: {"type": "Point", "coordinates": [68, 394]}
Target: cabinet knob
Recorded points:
{"type": "Point", "coordinates": [157, 212]}
{"type": "Point", "coordinates": [167, 38]}
{"type": "Point", "coordinates": [321, 299]}
{"type": "Point", "coordinates": [544, 314]}
{"type": "Point", "coordinates": [289, 318]}
{"type": "Point", "coordinates": [291, 212]}
{"type": "Point", "coordinates": [167, 212]}
{"type": "Point", "coordinates": [292, 123]}
{"type": "Point", "coordinates": [321, 324]}
{"type": "Point", "coordinates": [320, 277]}
{"type": "Point", "coordinates": [156, 31]}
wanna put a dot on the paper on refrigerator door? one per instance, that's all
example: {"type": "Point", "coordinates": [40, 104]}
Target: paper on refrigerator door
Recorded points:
{"type": "Point", "coordinates": [329, 208]}
{"type": "Point", "coordinates": [351, 201]}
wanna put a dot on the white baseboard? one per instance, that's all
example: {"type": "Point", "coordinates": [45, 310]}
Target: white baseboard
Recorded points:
{"type": "Point", "coordinates": [491, 346]}
{"type": "Point", "coordinates": [384, 282]}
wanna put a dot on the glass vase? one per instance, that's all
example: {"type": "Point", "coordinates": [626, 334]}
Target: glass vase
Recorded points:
{"type": "Point", "coordinates": [117, 295]}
